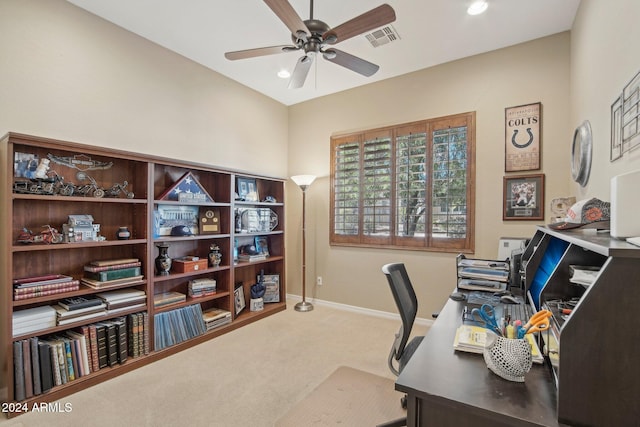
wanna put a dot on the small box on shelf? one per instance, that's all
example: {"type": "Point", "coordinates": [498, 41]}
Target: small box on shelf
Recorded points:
{"type": "Point", "coordinates": [188, 264]}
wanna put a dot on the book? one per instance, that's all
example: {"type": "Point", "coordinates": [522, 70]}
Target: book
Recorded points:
{"type": "Point", "coordinates": [75, 303]}
{"type": "Point", "coordinates": [252, 258]}
{"type": "Point", "coordinates": [112, 343]}
{"type": "Point", "coordinates": [63, 313]}
{"type": "Point", "coordinates": [88, 316]}
{"type": "Point", "coordinates": [133, 335]}
{"type": "Point", "coordinates": [166, 298]}
{"type": "Point", "coordinates": [41, 280]}
{"type": "Point", "coordinates": [35, 292]}
{"type": "Point", "coordinates": [26, 362]}
{"type": "Point", "coordinates": [107, 275]}
{"type": "Point", "coordinates": [96, 269]}
{"type": "Point", "coordinates": [18, 372]}
{"type": "Point", "coordinates": [101, 337]}
{"type": "Point", "coordinates": [93, 339]}
{"type": "Point", "coordinates": [111, 262]}
{"type": "Point", "coordinates": [35, 365]}
{"type": "Point", "coordinates": [121, 339]}
{"type": "Point", "coordinates": [97, 284]}
{"type": "Point", "coordinates": [46, 373]}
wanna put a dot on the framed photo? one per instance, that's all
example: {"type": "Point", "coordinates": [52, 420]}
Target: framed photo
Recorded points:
{"type": "Point", "coordinates": [238, 298]}
{"type": "Point", "coordinates": [523, 197]}
{"type": "Point", "coordinates": [175, 218]}
{"type": "Point", "coordinates": [522, 137]}
{"type": "Point", "coordinates": [262, 245]}
{"type": "Point", "coordinates": [247, 189]}
{"type": "Point", "coordinates": [272, 285]}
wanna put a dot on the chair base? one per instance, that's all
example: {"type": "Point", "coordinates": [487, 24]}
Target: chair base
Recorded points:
{"type": "Point", "coordinates": [400, 422]}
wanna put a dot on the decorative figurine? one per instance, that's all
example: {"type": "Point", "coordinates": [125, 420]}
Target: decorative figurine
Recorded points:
{"type": "Point", "coordinates": [123, 233]}
{"type": "Point", "coordinates": [163, 262]}
{"type": "Point", "coordinates": [215, 257]}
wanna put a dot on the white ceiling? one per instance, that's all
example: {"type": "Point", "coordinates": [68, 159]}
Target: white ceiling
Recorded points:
{"type": "Point", "coordinates": [431, 32]}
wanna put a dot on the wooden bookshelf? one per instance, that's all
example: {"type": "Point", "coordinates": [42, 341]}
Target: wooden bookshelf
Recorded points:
{"type": "Point", "coordinates": [148, 215]}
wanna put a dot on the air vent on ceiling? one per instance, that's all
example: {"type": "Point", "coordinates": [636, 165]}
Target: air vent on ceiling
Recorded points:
{"type": "Point", "coordinates": [382, 36]}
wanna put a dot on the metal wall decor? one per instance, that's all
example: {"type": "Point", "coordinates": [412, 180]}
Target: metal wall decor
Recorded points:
{"type": "Point", "coordinates": [581, 150]}
{"type": "Point", "coordinates": [625, 120]}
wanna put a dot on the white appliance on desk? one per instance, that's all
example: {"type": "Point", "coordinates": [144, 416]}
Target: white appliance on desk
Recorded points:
{"type": "Point", "coordinates": [625, 207]}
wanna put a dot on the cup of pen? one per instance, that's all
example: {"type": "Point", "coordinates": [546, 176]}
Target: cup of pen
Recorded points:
{"type": "Point", "coordinates": [509, 358]}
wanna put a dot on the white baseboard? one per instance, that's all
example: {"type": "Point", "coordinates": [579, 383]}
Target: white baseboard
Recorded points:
{"type": "Point", "coordinates": [352, 308]}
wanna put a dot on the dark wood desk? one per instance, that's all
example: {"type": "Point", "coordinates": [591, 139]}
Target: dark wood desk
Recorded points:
{"type": "Point", "coordinates": [450, 388]}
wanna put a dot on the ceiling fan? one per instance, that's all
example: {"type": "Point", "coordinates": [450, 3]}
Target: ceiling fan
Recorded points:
{"type": "Point", "coordinates": [313, 37]}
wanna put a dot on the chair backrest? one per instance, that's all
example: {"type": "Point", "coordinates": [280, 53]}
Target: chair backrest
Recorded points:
{"type": "Point", "coordinates": [407, 304]}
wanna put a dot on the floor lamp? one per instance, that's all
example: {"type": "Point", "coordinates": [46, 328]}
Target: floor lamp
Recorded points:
{"type": "Point", "coordinates": [303, 181]}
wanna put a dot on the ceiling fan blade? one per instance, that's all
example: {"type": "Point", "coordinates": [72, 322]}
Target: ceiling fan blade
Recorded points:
{"type": "Point", "coordinates": [288, 15]}
{"type": "Point", "coordinates": [300, 72]}
{"type": "Point", "coordinates": [351, 62]}
{"type": "Point", "coordinates": [375, 18]}
{"type": "Point", "coordinates": [261, 51]}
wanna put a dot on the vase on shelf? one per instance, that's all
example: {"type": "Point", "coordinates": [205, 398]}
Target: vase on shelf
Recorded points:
{"type": "Point", "coordinates": [215, 257]}
{"type": "Point", "coordinates": [163, 262]}
{"type": "Point", "coordinates": [123, 233]}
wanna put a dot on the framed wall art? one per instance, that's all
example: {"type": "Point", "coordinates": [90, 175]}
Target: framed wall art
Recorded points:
{"type": "Point", "coordinates": [522, 125]}
{"type": "Point", "coordinates": [523, 197]}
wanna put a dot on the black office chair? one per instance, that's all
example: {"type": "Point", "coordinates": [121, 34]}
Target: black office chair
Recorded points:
{"type": "Point", "coordinates": [407, 304]}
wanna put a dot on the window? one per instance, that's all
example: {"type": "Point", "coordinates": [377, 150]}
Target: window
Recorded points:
{"type": "Point", "coordinates": [409, 186]}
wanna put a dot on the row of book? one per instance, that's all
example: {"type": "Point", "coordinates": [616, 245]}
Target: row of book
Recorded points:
{"type": "Point", "coordinates": [175, 326]}
{"type": "Point", "coordinates": [41, 363]}
{"type": "Point", "coordinates": [76, 309]}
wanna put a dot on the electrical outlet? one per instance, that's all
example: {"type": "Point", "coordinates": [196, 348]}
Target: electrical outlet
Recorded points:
{"type": "Point", "coordinates": [319, 280]}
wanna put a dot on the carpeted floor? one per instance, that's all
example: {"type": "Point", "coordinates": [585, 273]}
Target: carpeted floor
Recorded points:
{"type": "Point", "coordinates": [349, 397]}
{"type": "Point", "coordinates": [250, 377]}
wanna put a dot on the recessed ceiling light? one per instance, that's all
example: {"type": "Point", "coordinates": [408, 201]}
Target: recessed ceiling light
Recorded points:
{"type": "Point", "coordinates": [284, 74]}
{"type": "Point", "coordinates": [477, 7]}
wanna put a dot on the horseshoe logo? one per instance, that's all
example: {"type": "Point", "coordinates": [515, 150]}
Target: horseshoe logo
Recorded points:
{"type": "Point", "coordinates": [526, 144]}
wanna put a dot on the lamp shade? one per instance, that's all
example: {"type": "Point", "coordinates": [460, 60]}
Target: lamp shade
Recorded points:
{"type": "Point", "coordinates": [303, 180]}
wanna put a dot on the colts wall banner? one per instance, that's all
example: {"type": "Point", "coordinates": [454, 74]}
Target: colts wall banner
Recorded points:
{"type": "Point", "coordinates": [522, 137]}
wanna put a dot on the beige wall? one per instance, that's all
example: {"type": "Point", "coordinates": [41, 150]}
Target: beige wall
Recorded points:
{"type": "Point", "coordinates": [604, 58]}
{"type": "Point", "coordinates": [67, 74]}
{"type": "Point", "coordinates": [526, 73]}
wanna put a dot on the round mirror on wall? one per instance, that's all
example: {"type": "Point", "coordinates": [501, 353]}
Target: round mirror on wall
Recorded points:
{"type": "Point", "coordinates": [581, 153]}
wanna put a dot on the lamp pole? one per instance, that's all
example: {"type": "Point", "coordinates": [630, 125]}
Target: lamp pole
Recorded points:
{"type": "Point", "coordinates": [304, 181]}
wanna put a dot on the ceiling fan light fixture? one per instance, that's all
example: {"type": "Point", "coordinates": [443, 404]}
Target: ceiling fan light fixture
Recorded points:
{"type": "Point", "coordinates": [477, 7]}
{"type": "Point", "coordinates": [329, 54]}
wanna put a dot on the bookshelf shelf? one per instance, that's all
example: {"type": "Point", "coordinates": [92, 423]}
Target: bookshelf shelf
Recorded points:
{"type": "Point", "coordinates": [151, 180]}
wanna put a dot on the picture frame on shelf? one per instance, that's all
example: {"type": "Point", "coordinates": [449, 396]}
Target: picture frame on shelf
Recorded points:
{"type": "Point", "coordinates": [523, 197]}
{"type": "Point", "coordinates": [522, 137]}
{"type": "Point", "coordinates": [168, 218]}
{"type": "Point", "coordinates": [238, 298]}
{"type": "Point", "coordinates": [272, 288]}
{"type": "Point", "coordinates": [247, 189]}
{"type": "Point", "coordinates": [262, 245]}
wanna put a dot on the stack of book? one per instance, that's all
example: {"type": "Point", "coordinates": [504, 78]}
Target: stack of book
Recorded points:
{"type": "Point", "coordinates": [167, 298]}
{"type": "Point", "coordinates": [37, 286]}
{"type": "Point", "coordinates": [33, 319]}
{"type": "Point", "coordinates": [123, 300]}
{"type": "Point", "coordinates": [202, 287]}
{"type": "Point", "coordinates": [252, 258]}
{"type": "Point", "coordinates": [76, 309]}
{"type": "Point", "coordinates": [103, 274]}
{"type": "Point", "coordinates": [215, 317]}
